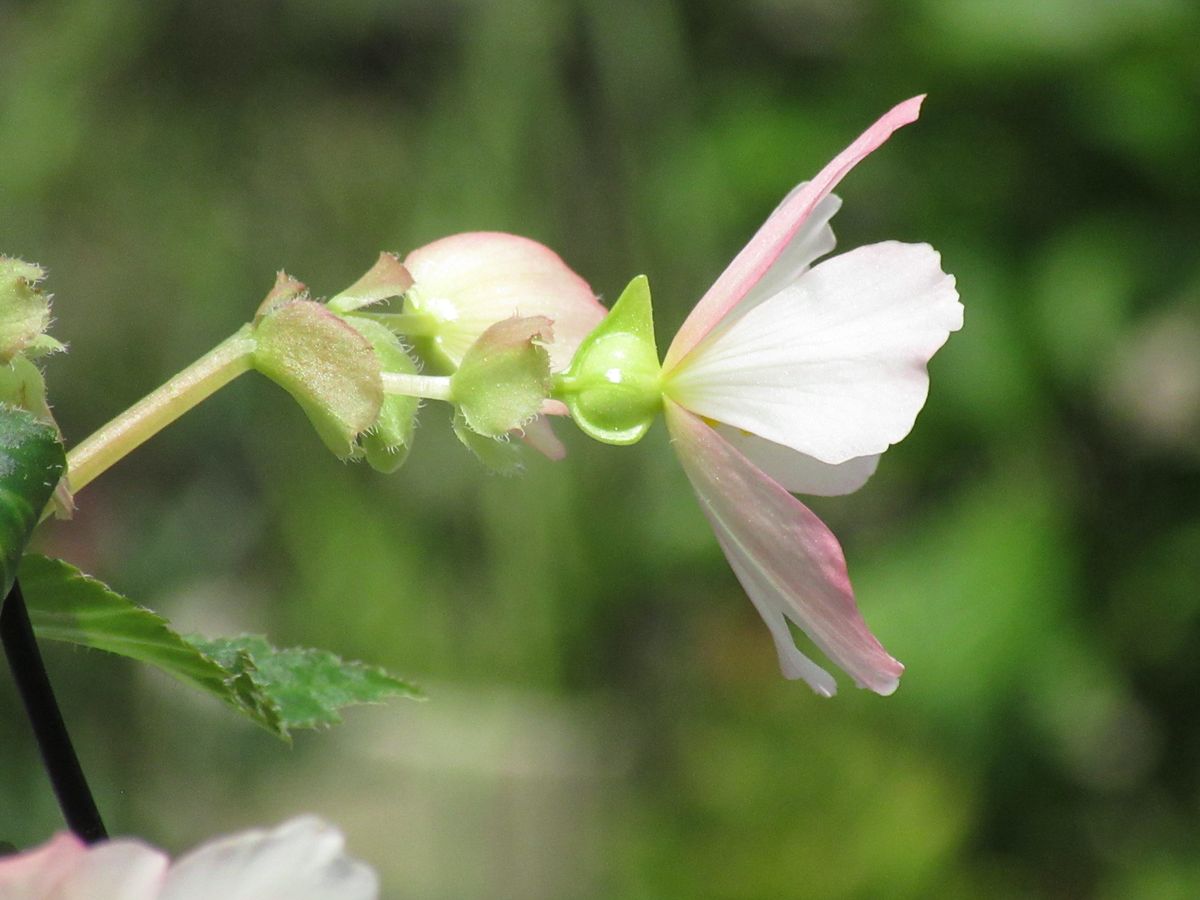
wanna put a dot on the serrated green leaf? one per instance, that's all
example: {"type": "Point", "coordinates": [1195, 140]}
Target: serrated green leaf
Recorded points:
{"type": "Point", "coordinates": [279, 689]}
{"type": "Point", "coordinates": [31, 462]}
{"type": "Point", "coordinates": [307, 686]}
{"type": "Point", "coordinates": [67, 605]}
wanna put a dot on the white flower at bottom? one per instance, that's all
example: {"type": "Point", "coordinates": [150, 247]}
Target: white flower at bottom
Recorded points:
{"type": "Point", "coordinates": [302, 859]}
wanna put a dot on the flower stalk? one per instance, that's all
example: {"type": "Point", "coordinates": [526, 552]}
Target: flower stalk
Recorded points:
{"type": "Point", "coordinates": [154, 412]}
{"type": "Point", "coordinates": [427, 387]}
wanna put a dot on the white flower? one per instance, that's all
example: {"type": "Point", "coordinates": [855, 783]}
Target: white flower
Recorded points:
{"type": "Point", "coordinates": [300, 860]}
{"type": "Point", "coordinates": [789, 377]}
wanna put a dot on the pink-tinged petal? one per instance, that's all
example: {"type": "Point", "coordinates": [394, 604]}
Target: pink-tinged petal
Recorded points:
{"type": "Point", "coordinates": [470, 281]}
{"type": "Point", "coordinates": [798, 472]}
{"type": "Point", "coordinates": [833, 366]}
{"type": "Point", "coordinates": [126, 869]}
{"type": "Point", "coordinates": [756, 258]}
{"type": "Point", "coordinates": [33, 874]}
{"type": "Point", "coordinates": [65, 868]}
{"type": "Point", "coordinates": [539, 434]}
{"type": "Point", "coordinates": [300, 860]}
{"type": "Point", "coordinates": [790, 564]}
{"type": "Point", "coordinates": [811, 241]}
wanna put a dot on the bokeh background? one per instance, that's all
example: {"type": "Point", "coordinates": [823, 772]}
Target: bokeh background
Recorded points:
{"type": "Point", "coordinates": [606, 718]}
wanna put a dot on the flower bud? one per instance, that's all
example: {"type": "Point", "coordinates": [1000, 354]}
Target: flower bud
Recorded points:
{"type": "Point", "coordinates": [24, 311]}
{"type": "Point", "coordinates": [465, 283]}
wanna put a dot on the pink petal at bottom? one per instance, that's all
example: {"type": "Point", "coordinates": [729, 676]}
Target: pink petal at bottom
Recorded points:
{"type": "Point", "coordinates": [788, 561]}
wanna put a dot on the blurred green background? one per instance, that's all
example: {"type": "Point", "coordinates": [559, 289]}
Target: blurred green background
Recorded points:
{"type": "Point", "coordinates": [606, 715]}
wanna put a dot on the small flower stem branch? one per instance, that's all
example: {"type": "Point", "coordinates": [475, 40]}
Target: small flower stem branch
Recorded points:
{"type": "Point", "coordinates": [430, 387]}
{"type": "Point", "coordinates": [58, 756]}
{"type": "Point", "coordinates": [152, 413]}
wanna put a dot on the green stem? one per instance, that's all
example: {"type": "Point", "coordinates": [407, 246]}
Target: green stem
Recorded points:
{"type": "Point", "coordinates": [430, 387]}
{"type": "Point", "coordinates": [153, 413]}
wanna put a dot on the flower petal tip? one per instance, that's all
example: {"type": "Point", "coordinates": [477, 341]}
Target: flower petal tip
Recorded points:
{"type": "Point", "coordinates": [912, 106]}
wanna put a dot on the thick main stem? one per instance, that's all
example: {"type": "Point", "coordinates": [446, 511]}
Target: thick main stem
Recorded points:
{"type": "Point", "coordinates": [33, 684]}
{"type": "Point", "coordinates": [152, 413]}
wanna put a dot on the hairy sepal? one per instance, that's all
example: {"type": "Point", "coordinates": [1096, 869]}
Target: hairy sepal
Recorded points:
{"type": "Point", "coordinates": [327, 365]}
{"type": "Point", "coordinates": [385, 446]}
{"type": "Point", "coordinates": [504, 376]}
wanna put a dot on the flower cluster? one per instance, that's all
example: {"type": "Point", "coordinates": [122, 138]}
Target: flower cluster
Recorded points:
{"type": "Point", "coordinates": [789, 376]}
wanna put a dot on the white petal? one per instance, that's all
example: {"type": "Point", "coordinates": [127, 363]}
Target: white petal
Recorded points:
{"type": "Point", "coordinates": [126, 869]}
{"type": "Point", "coordinates": [799, 472]}
{"type": "Point", "coordinates": [300, 860]}
{"type": "Point", "coordinates": [814, 240]}
{"type": "Point", "coordinates": [755, 259]}
{"type": "Point", "coordinates": [834, 365]}
{"type": "Point", "coordinates": [790, 564]}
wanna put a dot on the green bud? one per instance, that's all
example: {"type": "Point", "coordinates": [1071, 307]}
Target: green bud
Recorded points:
{"type": "Point", "coordinates": [326, 365]}
{"type": "Point", "coordinates": [24, 310]}
{"type": "Point", "coordinates": [387, 444]}
{"type": "Point", "coordinates": [613, 386]}
{"type": "Point", "coordinates": [504, 376]}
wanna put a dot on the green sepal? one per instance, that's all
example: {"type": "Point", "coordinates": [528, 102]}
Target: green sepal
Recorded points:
{"type": "Point", "coordinates": [386, 279]}
{"type": "Point", "coordinates": [613, 386]}
{"type": "Point", "coordinates": [502, 455]}
{"type": "Point", "coordinates": [22, 386]}
{"type": "Point", "coordinates": [387, 444]}
{"type": "Point", "coordinates": [277, 689]}
{"type": "Point", "coordinates": [24, 309]}
{"type": "Point", "coordinates": [43, 345]}
{"type": "Point", "coordinates": [504, 376]}
{"type": "Point", "coordinates": [31, 462]}
{"type": "Point", "coordinates": [285, 290]}
{"type": "Point", "coordinates": [326, 365]}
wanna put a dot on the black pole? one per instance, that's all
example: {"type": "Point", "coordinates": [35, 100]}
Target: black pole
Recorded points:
{"type": "Point", "coordinates": [33, 684]}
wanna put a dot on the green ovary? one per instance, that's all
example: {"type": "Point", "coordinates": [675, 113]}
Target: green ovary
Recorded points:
{"type": "Point", "coordinates": [614, 391]}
